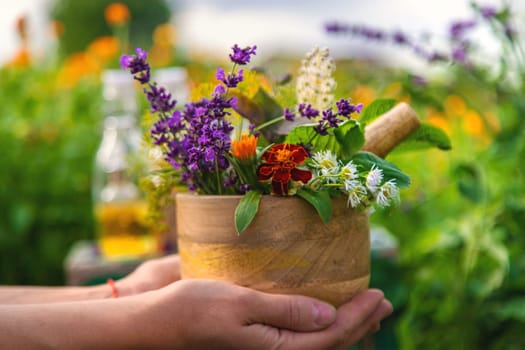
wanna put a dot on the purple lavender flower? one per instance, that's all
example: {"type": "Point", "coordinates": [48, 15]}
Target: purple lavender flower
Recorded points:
{"type": "Point", "coordinates": [488, 12]}
{"type": "Point", "coordinates": [231, 80]}
{"type": "Point", "coordinates": [242, 56]}
{"type": "Point", "coordinates": [244, 188]}
{"type": "Point", "coordinates": [289, 115]}
{"type": "Point", "coordinates": [160, 99]}
{"type": "Point", "coordinates": [345, 108]}
{"type": "Point", "coordinates": [330, 118]}
{"type": "Point", "coordinates": [307, 111]}
{"type": "Point", "coordinates": [336, 27]}
{"type": "Point", "coordinates": [251, 128]}
{"type": "Point", "coordinates": [195, 140]}
{"type": "Point", "coordinates": [459, 54]}
{"type": "Point", "coordinates": [137, 65]}
{"type": "Point", "coordinates": [459, 28]}
{"type": "Point", "coordinates": [400, 38]}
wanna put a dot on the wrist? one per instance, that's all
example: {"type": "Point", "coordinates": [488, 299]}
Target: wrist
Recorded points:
{"type": "Point", "coordinates": [159, 325]}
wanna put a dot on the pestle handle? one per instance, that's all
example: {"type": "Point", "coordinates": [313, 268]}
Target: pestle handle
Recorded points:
{"type": "Point", "coordinates": [390, 129]}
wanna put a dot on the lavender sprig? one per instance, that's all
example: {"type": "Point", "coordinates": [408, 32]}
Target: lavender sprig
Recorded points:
{"type": "Point", "coordinates": [196, 139]}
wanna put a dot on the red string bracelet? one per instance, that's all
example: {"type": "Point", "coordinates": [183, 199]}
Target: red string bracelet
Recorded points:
{"type": "Point", "coordinates": [114, 290]}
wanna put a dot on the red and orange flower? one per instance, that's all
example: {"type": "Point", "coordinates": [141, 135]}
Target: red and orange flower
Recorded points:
{"type": "Point", "coordinates": [280, 167]}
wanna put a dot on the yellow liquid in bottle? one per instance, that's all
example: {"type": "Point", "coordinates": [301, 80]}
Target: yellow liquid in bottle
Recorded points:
{"type": "Point", "coordinates": [122, 232]}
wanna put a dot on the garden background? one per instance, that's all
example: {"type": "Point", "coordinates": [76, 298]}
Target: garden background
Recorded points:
{"type": "Point", "coordinates": [457, 276]}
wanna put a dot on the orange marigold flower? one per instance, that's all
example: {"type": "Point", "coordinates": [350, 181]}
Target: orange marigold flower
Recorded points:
{"type": "Point", "coordinates": [117, 13]}
{"type": "Point", "coordinates": [244, 149]}
{"type": "Point", "coordinates": [280, 167]}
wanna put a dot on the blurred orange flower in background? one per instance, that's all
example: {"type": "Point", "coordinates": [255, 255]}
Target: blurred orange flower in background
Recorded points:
{"type": "Point", "coordinates": [104, 48]}
{"type": "Point", "coordinates": [117, 13]}
{"type": "Point", "coordinates": [455, 106]}
{"type": "Point", "coordinates": [438, 119]}
{"type": "Point", "coordinates": [363, 94]}
{"type": "Point", "coordinates": [76, 67]}
{"type": "Point", "coordinates": [22, 57]}
{"type": "Point", "coordinates": [163, 40]}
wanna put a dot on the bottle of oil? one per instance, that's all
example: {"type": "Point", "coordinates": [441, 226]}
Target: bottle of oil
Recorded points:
{"type": "Point", "coordinates": [120, 209]}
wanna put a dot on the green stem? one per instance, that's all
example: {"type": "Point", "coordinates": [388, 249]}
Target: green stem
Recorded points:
{"type": "Point", "coordinates": [269, 123]}
{"type": "Point", "coordinates": [218, 175]}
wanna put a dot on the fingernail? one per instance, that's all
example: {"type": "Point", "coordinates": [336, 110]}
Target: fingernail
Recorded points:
{"type": "Point", "coordinates": [324, 314]}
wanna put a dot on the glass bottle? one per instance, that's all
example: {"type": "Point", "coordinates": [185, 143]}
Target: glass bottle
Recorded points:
{"type": "Point", "coordinates": [120, 209]}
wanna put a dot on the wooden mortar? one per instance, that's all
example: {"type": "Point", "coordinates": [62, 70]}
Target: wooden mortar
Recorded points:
{"type": "Point", "coordinates": [287, 249]}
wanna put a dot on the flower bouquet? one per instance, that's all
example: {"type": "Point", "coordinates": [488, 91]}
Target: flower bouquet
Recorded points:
{"type": "Point", "coordinates": [279, 198]}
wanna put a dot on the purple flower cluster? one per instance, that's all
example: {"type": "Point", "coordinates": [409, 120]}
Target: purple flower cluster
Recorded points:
{"type": "Point", "coordinates": [197, 138]}
{"type": "Point", "coordinates": [377, 35]}
{"type": "Point", "coordinates": [242, 56]}
{"type": "Point", "coordinates": [137, 65]}
{"type": "Point", "coordinates": [230, 79]}
{"type": "Point", "coordinates": [329, 118]}
{"type": "Point", "coordinates": [458, 30]}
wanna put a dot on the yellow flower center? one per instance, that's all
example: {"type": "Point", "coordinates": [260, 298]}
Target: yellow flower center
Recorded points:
{"type": "Point", "coordinates": [283, 155]}
{"type": "Point", "coordinates": [327, 164]}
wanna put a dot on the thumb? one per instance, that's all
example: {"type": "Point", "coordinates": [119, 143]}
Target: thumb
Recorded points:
{"type": "Point", "coordinates": [293, 312]}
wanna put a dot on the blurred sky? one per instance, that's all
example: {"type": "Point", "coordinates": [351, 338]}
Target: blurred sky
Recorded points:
{"type": "Point", "coordinates": [274, 25]}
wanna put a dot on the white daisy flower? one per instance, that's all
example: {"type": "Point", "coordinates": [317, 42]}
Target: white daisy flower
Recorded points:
{"type": "Point", "coordinates": [374, 178]}
{"type": "Point", "coordinates": [387, 193]}
{"type": "Point", "coordinates": [356, 193]}
{"type": "Point", "coordinates": [326, 164]}
{"type": "Point", "coordinates": [349, 171]}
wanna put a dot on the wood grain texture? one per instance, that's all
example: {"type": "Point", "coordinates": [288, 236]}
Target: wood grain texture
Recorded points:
{"type": "Point", "coordinates": [287, 249]}
{"type": "Point", "coordinates": [390, 129]}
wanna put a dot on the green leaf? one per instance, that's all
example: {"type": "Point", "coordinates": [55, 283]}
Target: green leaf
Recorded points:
{"type": "Point", "coordinates": [342, 141]}
{"type": "Point", "coordinates": [427, 136]}
{"type": "Point", "coordinates": [246, 210]}
{"type": "Point", "coordinates": [470, 182]}
{"type": "Point", "coordinates": [367, 160]}
{"type": "Point", "coordinates": [320, 200]}
{"type": "Point", "coordinates": [376, 109]}
{"type": "Point", "coordinates": [306, 135]}
{"type": "Point", "coordinates": [350, 137]}
{"type": "Point", "coordinates": [513, 309]}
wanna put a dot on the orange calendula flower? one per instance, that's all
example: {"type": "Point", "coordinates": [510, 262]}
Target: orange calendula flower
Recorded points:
{"type": "Point", "coordinates": [280, 167]}
{"type": "Point", "coordinates": [117, 13]}
{"type": "Point", "coordinates": [244, 149]}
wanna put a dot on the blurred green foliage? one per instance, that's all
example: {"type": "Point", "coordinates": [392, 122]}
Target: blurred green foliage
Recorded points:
{"type": "Point", "coordinates": [460, 226]}
{"type": "Point", "coordinates": [84, 21]}
{"type": "Point", "coordinates": [48, 138]}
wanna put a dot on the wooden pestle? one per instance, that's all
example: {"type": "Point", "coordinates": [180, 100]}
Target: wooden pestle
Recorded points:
{"type": "Point", "coordinates": [390, 129]}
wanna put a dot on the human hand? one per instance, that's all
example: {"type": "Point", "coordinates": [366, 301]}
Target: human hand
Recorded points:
{"type": "Point", "coordinates": [204, 314]}
{"type": "Point", "coordinates": [150, 275]}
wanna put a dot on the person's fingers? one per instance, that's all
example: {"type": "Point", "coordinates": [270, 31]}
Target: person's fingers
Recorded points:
{"type": "Point", "coordinates": [372, 324]}
{"type": "Point", "coordinates": [353, 320]}
{"type": "Point", "coordinates": [293, 312]}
